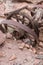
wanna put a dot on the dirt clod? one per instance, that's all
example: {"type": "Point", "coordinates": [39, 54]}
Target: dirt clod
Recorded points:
{"type": "Point", "coordinates": [13, 57]}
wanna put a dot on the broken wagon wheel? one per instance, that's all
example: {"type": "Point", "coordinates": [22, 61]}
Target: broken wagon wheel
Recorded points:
{"type": "Point", "coordinates": [30, 37]}
{"type": "Point", "coordinates": [17, 12]}
{"type": "Point", "coordinates": [35, 27]}
{"type": "Point", "coordinates": [20, 35]}
{"type": "Point", "coordinates": [28, 18]}
{"type": "Point", "coordinates": [33, 24]}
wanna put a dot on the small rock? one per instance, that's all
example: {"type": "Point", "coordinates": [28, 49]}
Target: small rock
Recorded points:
{"type": "Point", "coordinates": [27, 46]}
{"type": "Point", "coordinates": [22, 45]}
{"type": "Point", "coordinates": [13, 57]}
{"type": "Point", "coordinates": [33, 49]}
{"type": "Point", "coordinates": [2, 37]}
{"type": "Point", "coordinates": [41, 44]}
{"type": "Point", "coordinates": [8, 36]}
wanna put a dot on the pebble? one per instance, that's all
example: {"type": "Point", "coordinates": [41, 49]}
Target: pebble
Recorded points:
{"type": "Point", "coordinates": [27, 46]}
{"type": "Point", "coordinates": [13, 57]}
{"type": "Point", "coordinates": [41, 44]}
{"type": "Point", "coordinates": [21, 46]}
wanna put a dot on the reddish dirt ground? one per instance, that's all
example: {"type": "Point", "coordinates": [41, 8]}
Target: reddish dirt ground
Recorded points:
{"type": "Point", "coordinates": [12, 55]}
